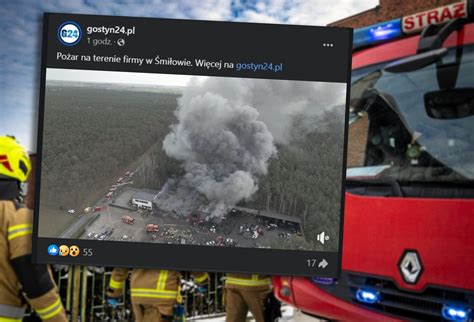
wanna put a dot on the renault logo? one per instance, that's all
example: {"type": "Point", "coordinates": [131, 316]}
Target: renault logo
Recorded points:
{"type": "Point", "coordinates": [410, 267]}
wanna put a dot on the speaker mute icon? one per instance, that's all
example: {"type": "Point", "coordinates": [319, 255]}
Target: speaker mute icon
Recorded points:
{"type": "Point", "coordinates": [322, 238]}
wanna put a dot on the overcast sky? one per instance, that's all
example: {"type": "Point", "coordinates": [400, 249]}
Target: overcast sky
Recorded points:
{"type": "Point", "coordinates": [20, 25]}
{"type": "Point", "coordinates": [98, 76]}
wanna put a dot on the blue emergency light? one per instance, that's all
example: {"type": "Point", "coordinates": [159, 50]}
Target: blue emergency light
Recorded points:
{"type": "Point", "coordinates": [454, 313]}
{"type": "Point", "coordinates": [378, 32]}
{"type": "Point", "coordinates": [323, 280]}
{"type": "Point", "coordinates": [367, 296]}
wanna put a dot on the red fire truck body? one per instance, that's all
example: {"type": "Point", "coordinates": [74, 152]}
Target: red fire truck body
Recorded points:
{"type": "Point", "coordinates": [408, 241]}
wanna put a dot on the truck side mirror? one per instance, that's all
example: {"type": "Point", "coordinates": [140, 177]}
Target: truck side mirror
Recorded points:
{"type": "Point", "coordinates": [450, 104]}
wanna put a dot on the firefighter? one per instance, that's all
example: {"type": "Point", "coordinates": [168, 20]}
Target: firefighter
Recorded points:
{"type": "Point", "coordinates": [154, 293]}
{"type": "Point", "coordinates": [18, 275]}
{"type": "Point", "coordinates": [245, 292]}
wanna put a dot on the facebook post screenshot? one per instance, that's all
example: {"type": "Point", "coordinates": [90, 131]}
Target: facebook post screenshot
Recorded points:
{"type": "Point", "coordinates": [192, 145]}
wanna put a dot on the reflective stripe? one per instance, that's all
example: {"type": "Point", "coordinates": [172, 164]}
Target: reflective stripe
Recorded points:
{"type": "Point", "coordinates": [247, 282]}
{"type": "Point", "coordinates": [201, 279]}
{"type": "Point", "coordinates": [19, 230]}
{"type": "Point", "coordinates": [50, 311]}
{"type": "Point", "coordinates": [2, 319]}
{"type": "Point", "coordinates": [161, 284]}
{"type": "Point", "coordinates": [13, 312]}
{"type": "Point", "coordinates": [159, 294]}
{"type": "Point", "coordinates": [116, 284]}
{"type": "Point", "coordinates": [13, 228]}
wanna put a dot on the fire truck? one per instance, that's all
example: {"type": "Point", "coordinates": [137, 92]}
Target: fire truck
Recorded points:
{"type": "Point", "coordinates": [152, 228]}
{"type": "Point", "coordinates": [128, 220]}
{"type": "Point", "coordinates": [408, 245]}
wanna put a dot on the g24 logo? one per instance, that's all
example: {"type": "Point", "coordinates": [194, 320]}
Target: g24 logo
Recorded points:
{"type": "Point", "coordinates": [69, 33]}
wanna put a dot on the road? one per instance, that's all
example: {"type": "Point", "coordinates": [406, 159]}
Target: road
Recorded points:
{"type": "Point", "coordinates": [289, 314]}
{"type": "Point", "coordinates": [81, 222]}
{"type": "Point", "coordinates": [83, 219]}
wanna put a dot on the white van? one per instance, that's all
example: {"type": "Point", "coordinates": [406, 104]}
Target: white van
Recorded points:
{"type": "Point", "coordinates": [142, 204]}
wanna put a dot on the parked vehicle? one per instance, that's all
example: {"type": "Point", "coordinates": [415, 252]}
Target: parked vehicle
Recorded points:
{"type": "Point", "coordinates": [142, 204]}
{"type": "Point", "coordinates": [409, 209]}
{"type": "Point", "coordinates": [152, 228]}
{"type": "Point", "coordinates": [128, 220]}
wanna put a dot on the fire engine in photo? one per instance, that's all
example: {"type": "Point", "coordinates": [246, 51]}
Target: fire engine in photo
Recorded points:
{"type": "Point", "coordinates": [128, 220]}
{"type": "Point", "coordinates": [152, 228]}
{"type": "Point", "coordinates": [408, 248]}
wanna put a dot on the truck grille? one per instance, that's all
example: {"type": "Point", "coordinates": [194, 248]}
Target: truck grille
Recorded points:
{"type": "Point", "coordinates": [401, 304]}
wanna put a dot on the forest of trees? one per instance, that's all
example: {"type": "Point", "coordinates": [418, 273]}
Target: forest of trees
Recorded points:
{"type": "Point", "coordinates": [93, 134]}
{"type": "Point", "coordinates": [304, 180]}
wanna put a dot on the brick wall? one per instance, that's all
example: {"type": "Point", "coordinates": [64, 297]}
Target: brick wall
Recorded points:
{"type": "Point", "coordinates": [389, 9]}
{"type": "Point", "coordinates": [357, 142]}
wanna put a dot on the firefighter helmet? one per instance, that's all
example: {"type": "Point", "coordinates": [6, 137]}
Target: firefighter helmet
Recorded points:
{"type": "Point", "coordinates": [14, 160]}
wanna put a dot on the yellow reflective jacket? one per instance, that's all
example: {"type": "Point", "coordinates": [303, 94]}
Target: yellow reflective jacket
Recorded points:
{"type": "Point", "coordinates": [150, 286]}
{"type": "Point", "coordinates": [15, 245]}
{"type": "Point", "coordinates": [250, 282]}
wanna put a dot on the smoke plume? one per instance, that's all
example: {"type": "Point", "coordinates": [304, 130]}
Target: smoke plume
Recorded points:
{"type": "Point", "coordinates": [223, 146]}
{"type": "Point", "coordinates": [278, 102]}
{"type": "Point", "coordinates": [226, 134]}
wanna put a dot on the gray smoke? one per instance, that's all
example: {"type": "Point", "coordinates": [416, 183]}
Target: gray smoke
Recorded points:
{"type": "Point", "coordinates": [279, 101]}
{"type": "Point", "coordinates": [225, 136]}
{"type": "Point", "coordinates": [223, 147]}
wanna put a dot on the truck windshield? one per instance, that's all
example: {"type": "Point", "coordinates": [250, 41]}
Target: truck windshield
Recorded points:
{"type": "Point", "coordinates": [416, 125]}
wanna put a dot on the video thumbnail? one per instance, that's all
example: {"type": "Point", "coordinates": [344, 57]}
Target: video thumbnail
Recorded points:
{"type": "Point", "coordinates": [214, 162]}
